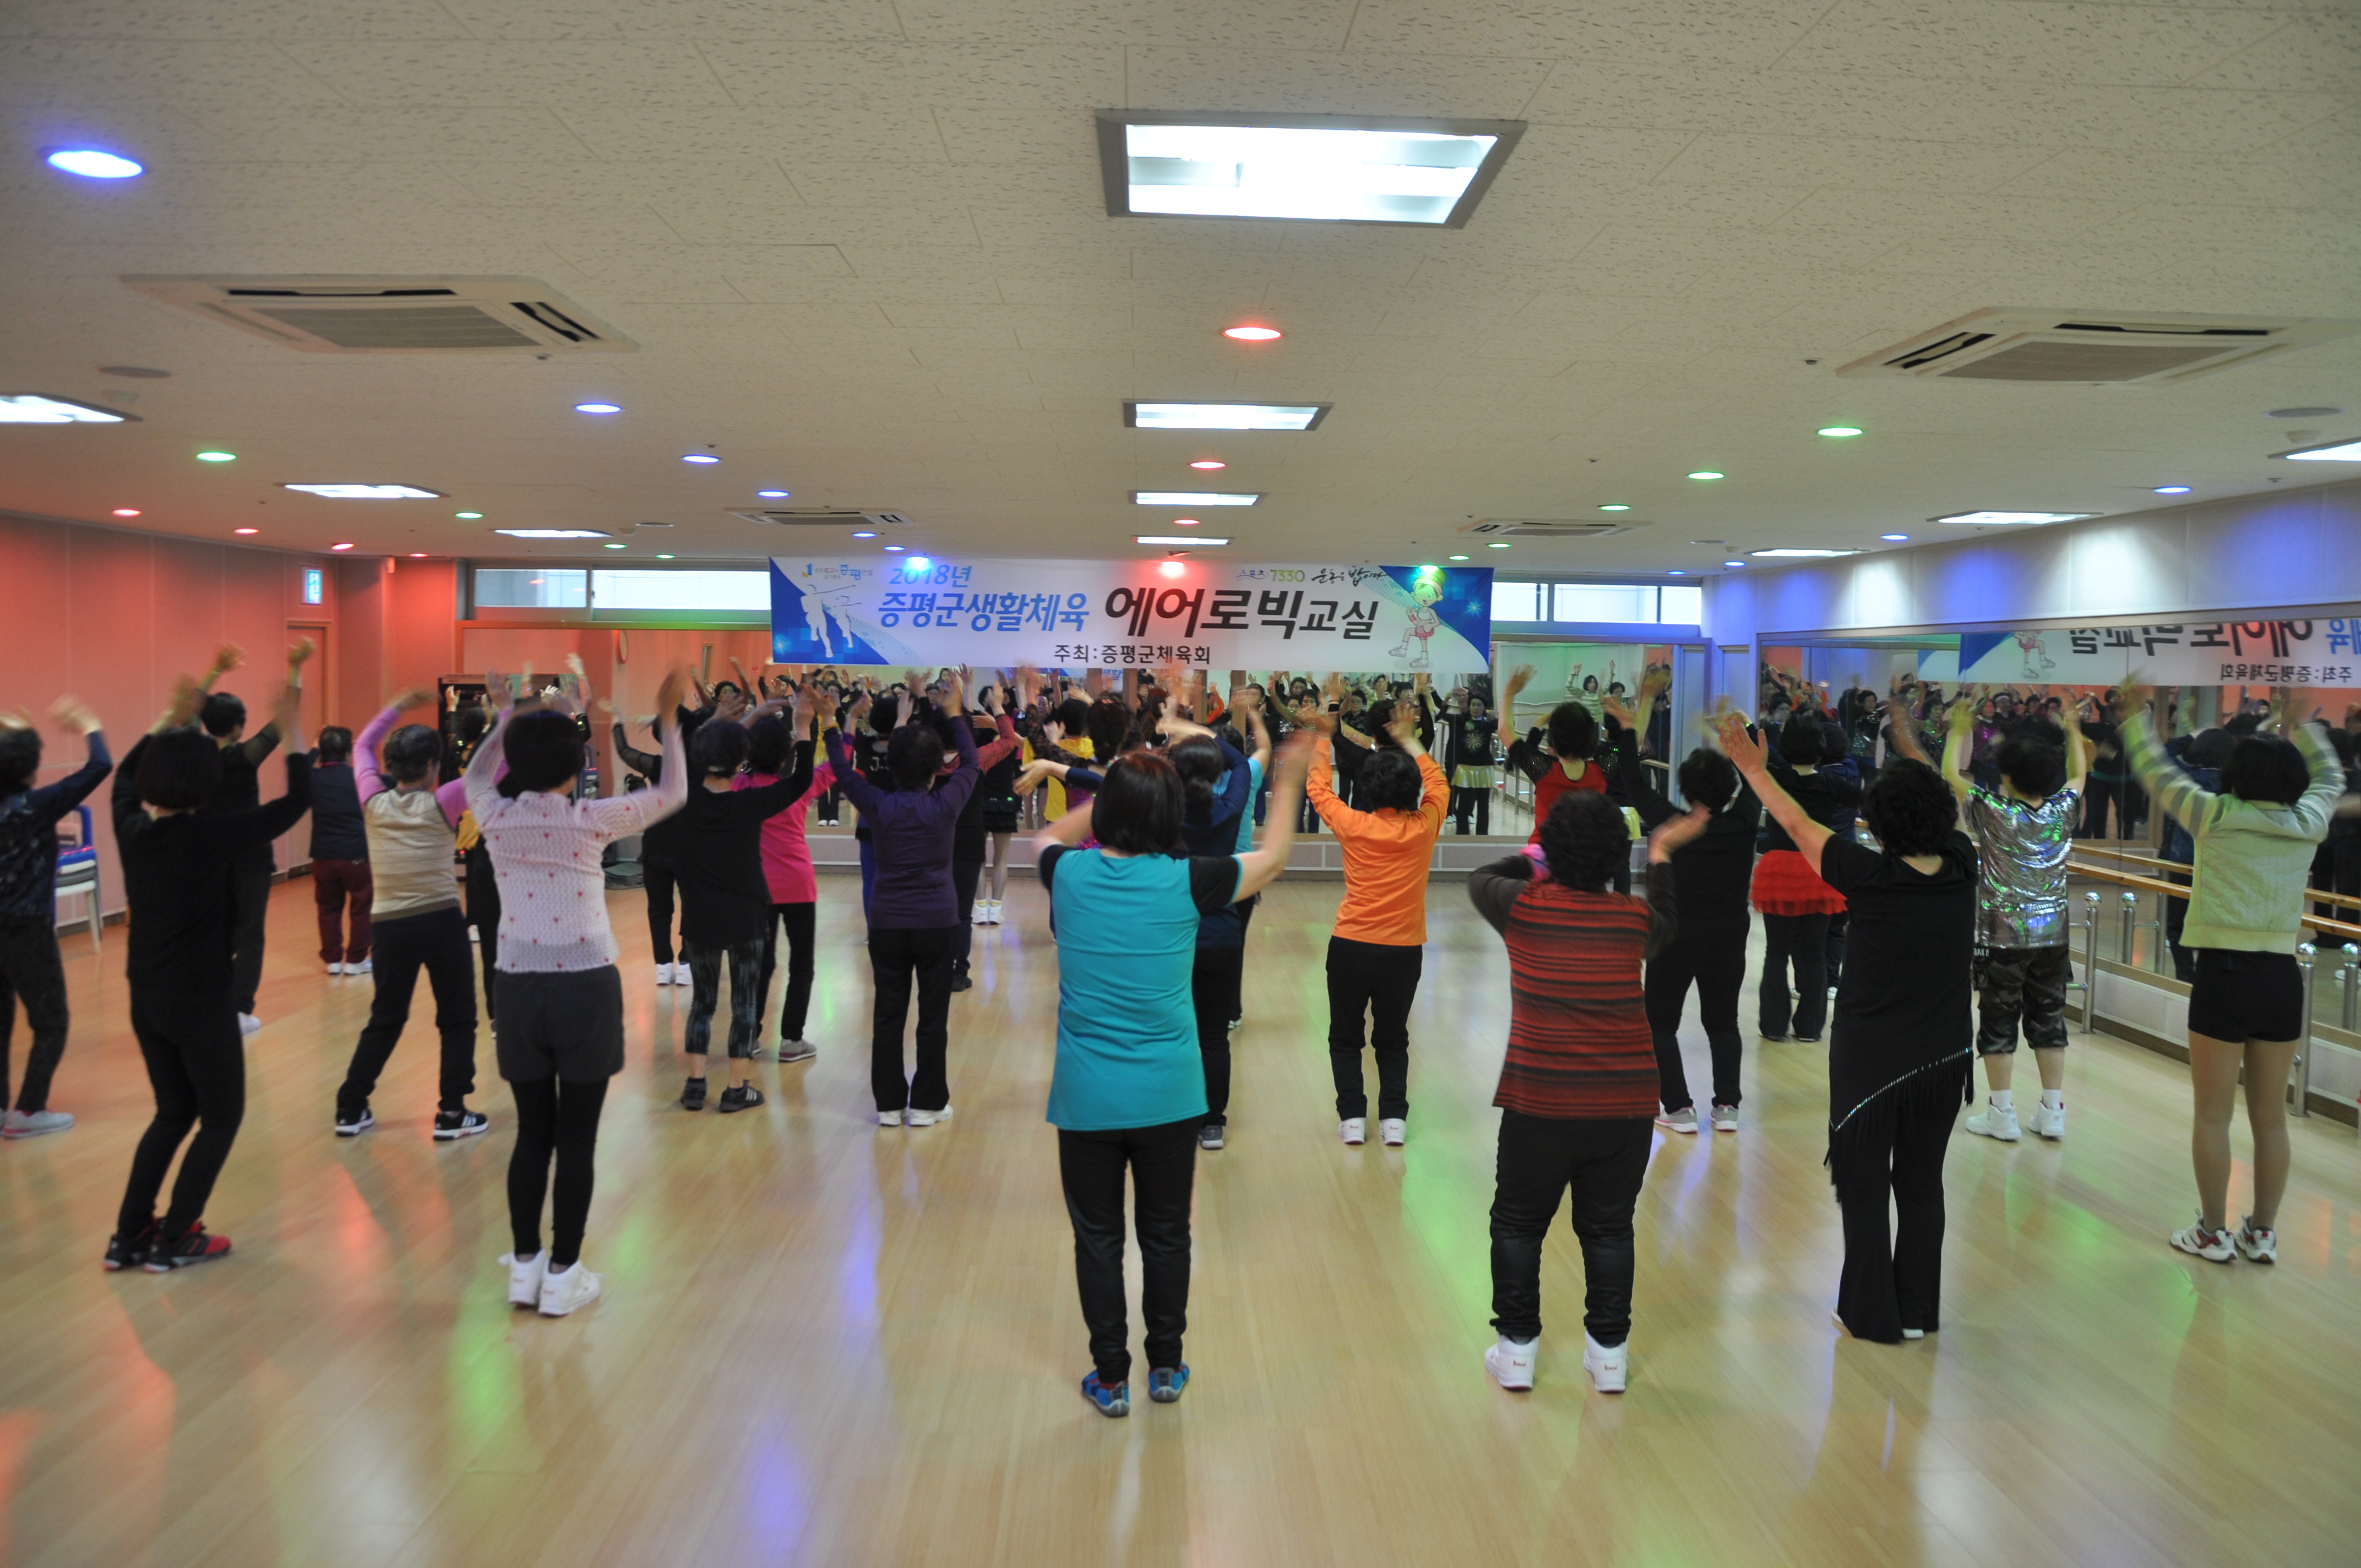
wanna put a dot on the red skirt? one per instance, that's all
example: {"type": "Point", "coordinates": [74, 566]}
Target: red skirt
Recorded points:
{"type": "Point", "coordinates": [1785, 884]}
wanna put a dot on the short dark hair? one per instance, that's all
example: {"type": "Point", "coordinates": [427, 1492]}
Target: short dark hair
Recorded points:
{"type": "Point", "coordinates": [914, 754]}
{"type": "Point", "coordinates": [1799, 739]}
{"type": "Point", "coordinates": [1910, 808]}
{"type": "Point", "coordinates": [1110, 727]}
{"type": "Point", "coordinates": [769, 745]}
{"type": "Point", "coordinates": [2244, 724]}
{"type": "Point", "coordinates": [2210, 747]}
{"type": "Point", "coordinates": [221, 713]}
{"type": "Point", "coordinates": [2341, 740]}
{"type": "Point", "coordinates": [1199, 762]}
{"type": "Point", "coordinates": [719, 747]}
{"type": "Point", "coordinates": [412, 751]}
{"type": "Point", "coordinates": [2266, 770]}
{"type": "Point", "coordinates": [1139, 806]}
{"type": "Point", "coordinates": [1572, 732]}
{"type": "Point", "coordinates": [1072, 716]}
{"type": "Point", "coordinates": [1709, 778]}
{"type": "Point", "coordinates": [1389, 779]}
{"type": "Point", "coordinates": [473, 720]}
{"type": "Point", "coordinates": [335, 745]}
{"type": "Point", "coordinates": [2035, 766]}
{"type": "Point", "coordinates": [20, 757]}
{"type": "Point", "coordinates": [180, 769]}
{"type": "Point", "coordinates": [542, 750]}
{"type": "Point", "coordinates": [1585, 841]}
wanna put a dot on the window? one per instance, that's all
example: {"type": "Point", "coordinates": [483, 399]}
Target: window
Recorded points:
{"type": "Point", "coordinates": [530, 587]}
{"type": "Point", "coordinates": [1589, 602]}
{"type": "Point", "coordinates": [1610, 603]}
{"type": "Point", "coordinates": [679, 590]}
{"type": "Point", "coordinates": [1516, 601]}
{"type": "Point", "coordinates": [1683, 607]}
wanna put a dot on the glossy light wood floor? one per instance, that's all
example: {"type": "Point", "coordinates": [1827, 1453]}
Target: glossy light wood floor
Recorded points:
{"type": "Point", "coordinates": [825, 1344]}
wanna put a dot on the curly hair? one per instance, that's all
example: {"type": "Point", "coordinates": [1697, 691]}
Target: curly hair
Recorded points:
{"type": "Point", "coordinates": [1389, 779]}
{"type": "Point", "coordinates": [1910, 808]}
{"type": "Point", "coordinates": [1585, 841]}
{"type": "Point", "coordinates": [769, 745]}
{"type": "Point", "coordinates": [2036, 767]}
{"type": "Point", "coordinates": [412, 751]}
{"type": "Point", "coordinates": [1572, 732]}
{"type": "Point", "coordinates": [1707, 779]}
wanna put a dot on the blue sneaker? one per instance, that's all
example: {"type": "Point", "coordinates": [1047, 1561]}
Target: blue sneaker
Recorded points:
{"type": "Point", "coordinates": [1114, 1401]}
{"type": "Point", "coordinates": [1164, 1384]}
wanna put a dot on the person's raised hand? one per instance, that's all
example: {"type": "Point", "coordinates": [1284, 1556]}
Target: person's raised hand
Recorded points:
{"type": "Point", "coordinates": [1519, 679]}
{"type": "Point", "coordinates": [1311, 715]}
{"type": "Point", "coordinates": [1745, 751]}
{"type": "Point", "coordinates": [860, 707]}
{"type": "Point", "coordinates": [673, 695]}
{"type": "Point", "coordinates": [70, 712]}
{"type": "Point", "coordinates": [497, 692]}
{"type": "Point", "coordinates": [1654, 682]}
{"type": "Point", "coordinates": [409, 697]}
{"type": "Point", "coordinates": [1403, 727]}
{"type": "Point", "coordinates": [226, 657]}
{"type": "Point", "coordinates": [299, 653]}
{"type": "Point", "coordinates": [1052, 731]}
{"type": "Point", "coordinates": [1292, 765]}
{"type": "Point", "coordinates": [188, 695]}
{"type": "Point", "coordinates": [1675, 831]}
{"type": "Point", "coordinates": [1613, 707]}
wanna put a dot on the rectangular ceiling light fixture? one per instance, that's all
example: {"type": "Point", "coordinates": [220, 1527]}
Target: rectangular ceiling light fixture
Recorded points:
{"type": "Point", "coordinates": [1224, 416]}
{"type": "Point", "coordinates": [39, 408]}
{"type": "Point", "coordinates": [1177, 541]}
{"type": "Point", "coordinates": [1995, 518]}
{"type": "Point", "coordinates": [1343, 169]}
{"type": "Point", "coordinates": [367, 492]}
{"type": "Point", "coordinates": [552, 532]}
{"type": "Point", "coordinates": [1195, 498]}
{"type": "Point", "coordinates": [1795, 555]}
{"type": "Point", "coordinates": [2334, 452]}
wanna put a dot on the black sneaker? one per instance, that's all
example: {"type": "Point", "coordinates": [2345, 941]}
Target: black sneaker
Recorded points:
{"type": "Point", "coordinates": [197, 1246]}
{"type": "Point", "coordinates": [745, 1097]}
{"type": "Point", "coordinates": [692, 1098]}
{"type": "Point", "coordinates": [450, 1124]}
{"type": "Point", "coordinates": [124, 1252]}
{"type": "Point", "coordinates": [353, 1125]}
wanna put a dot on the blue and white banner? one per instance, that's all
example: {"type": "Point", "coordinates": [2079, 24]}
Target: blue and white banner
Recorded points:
{"type": "Point", "coordinates": [915, 610]}
{"type": "Point", "coordinates": [2312, 653]}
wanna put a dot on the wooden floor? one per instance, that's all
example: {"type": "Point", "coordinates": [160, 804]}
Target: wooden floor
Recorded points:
{"type": "Point", "coordinates": [827, 1343]}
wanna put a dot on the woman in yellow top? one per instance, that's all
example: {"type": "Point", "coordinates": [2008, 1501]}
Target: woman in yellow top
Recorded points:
{"type": "Point", "coordinates": [1380, 943]}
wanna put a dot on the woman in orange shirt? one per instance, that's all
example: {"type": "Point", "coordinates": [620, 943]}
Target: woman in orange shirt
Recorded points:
{"type": "Point", "coordinates": [1380, 943]}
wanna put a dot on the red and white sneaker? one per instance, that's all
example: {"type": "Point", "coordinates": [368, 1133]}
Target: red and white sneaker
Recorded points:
{"type": "Point", "coordinates": [198, 1247]}
{"type": "Point", "coordinates": [2214, 1246]}
{"type": "Point", "coordinates": [2259, 1244]}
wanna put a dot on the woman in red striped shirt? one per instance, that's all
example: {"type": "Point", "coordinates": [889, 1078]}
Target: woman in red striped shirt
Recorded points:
{"type": "Point", "coordinates": [1578, 1088]}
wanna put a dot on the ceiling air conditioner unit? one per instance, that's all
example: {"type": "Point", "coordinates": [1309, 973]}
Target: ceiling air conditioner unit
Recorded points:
{"type": "Point", "coordinates": [2092, 348]}
{"type": "Point", "coordinates": [323, 314]}
{"type": "Point", "coordinates": [824, 517]}
{"type": "Point", "coordinates": [1546, 528]}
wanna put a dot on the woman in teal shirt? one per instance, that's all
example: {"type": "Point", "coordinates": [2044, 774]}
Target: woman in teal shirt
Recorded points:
{"type": "Point", "coordinates": [1129, 1088]}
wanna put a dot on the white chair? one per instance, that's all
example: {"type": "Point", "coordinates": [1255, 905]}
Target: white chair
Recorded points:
{"type": "Point", "coordinates": [78, 877]}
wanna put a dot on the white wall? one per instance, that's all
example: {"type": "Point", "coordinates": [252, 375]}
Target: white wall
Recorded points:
{"type": "Point", "coordinates": [2286, 549]}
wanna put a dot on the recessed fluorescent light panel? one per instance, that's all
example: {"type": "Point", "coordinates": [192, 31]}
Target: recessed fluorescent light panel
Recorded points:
{"type": "Point", "coordinates": [2334, 452]}
{"type": "Point", "coordinates": [1996, 519]}
{"type": "Point", "coordinates": [1195, 498]}
{"type": "Point", "coordinates": [367, 492]}
{"type": "Point", "coordinates": [552, 532]}
{"type": "Point", "coordinates": [1307, 168]}
{"type": "Point", "coordinates": [1184, 540]}
{"type": "Point", "coordinates": [1224, 416]}
{"type": "Point", "coordinates": [1791, 554]}
{"type": "Point", "coordinates": [38, 408]}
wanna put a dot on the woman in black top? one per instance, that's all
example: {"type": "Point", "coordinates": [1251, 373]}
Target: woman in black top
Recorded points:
{"type": "Point", "coordinates": [1798, 904]}
{"type": "Point", "coordinates": [725, 900]}
{"type": "Point", "coordinates": [1899, 1054]}
{"type": "Point", "coordinates": [659, 860]}
{"type": "Point", "coordinates": [177, 865]}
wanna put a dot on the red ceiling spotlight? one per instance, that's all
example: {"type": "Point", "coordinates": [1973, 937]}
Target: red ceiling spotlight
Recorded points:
{"type": "Point", "coordinates": [1253, 333]}
{"type": "Point", "coordinates": [1186, 523]}
{"type": "Point", "coordinates": [245, 530]}
{"type": "Point", "coordinates": [1172, 569]}
{"type": "Point", "coordinates": [347, 545]}
{"type": "Point", "coordinates": [1209, 464]}
{"type": "Point", "coordinates": [127, 511]}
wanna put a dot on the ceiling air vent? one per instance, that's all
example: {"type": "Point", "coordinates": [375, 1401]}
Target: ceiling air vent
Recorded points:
{"type": "Point", "coordinates": [2093, 350]}
{"type": "Point", "coordinates": [824, 517]}
{"type": "Point", "coordinates": [1546, 528]}
{"type": "Point", "coordinates": [322, 314]}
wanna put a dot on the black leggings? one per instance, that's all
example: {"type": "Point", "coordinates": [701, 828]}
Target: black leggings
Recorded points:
{"type": "Point", "coordinates": [1804, 940]}
{"type": "Point", "coordinates": [1893, 1164]}
{"type": "Point", "coordinates": [796, 918]}
{"type": "Point", "coordinates": [1466, 800]}
{"type": "Point", "coordinates": [29, 967]}
{"type": "Point", "coordinates": [705, 995]}
{"type": "Point", "coordinates": [484, 915]}
{"type": "Point", "coordinates": [196, 1064]}
{"type": "Point", "coordinates": [1602, 1163]}
{"type": "Point", "coordinates": [965, 874]}
{"type": "Point", "coordinates": [1366, 979]}
{"type": "Point", "coordinates": [561, 1119]}
{"type": "Point", "coordinates": [1715, 960]}
{"type": "Point", "coordinates": [1214, 988]}
{"type": "Point", "coordinates": [659, 882]}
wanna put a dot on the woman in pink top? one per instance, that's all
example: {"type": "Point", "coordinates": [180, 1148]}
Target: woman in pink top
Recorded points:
{"type": "Point", "coordinates": [788, 868]}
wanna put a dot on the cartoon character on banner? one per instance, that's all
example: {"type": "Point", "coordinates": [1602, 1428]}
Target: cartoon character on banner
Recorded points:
{"type": "Point", "coordinates": [1425, 587]}
{"type": "Point", "coordinates": [2029, 644]}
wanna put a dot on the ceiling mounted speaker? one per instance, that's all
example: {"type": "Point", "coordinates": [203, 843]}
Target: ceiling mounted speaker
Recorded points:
{"type": "Point", "coordinates": [824, 517]}
{"type": "Point", "coordinates": [2092, 348]}
{"type": "Point", "coordinates": [1546, 528]}
{"type": "Point", "coordinates": [322, 314]}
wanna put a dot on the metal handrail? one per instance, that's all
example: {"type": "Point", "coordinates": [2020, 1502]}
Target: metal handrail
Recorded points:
{"type": "Point", "coordinates": [2175, 890]}
{"type": "Point", "coordinates": [2312, 894]}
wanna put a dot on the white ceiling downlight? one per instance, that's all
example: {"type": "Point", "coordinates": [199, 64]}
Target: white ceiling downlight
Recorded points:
{"type": "Point", "coordinates": [823, 517]}
{"type": "Point", "coordinates": [2088, 348]}
{"type": "Point", "coordinates": [1547, 528]}
{"type": "Point", "coordinates": [2011, 519]}
{"type": "Point", "coordinates": [2348, 451]}
{"type": "Point", "coordinates": [350, 492]}
{"type": "Point", "coordinates": [1307, 168]}
{"type": "Point", "coordinates": [1195, 498]}
{"type": "Point", "coordinates": [442, 314]}
{"type": "Point", "coordinates": [40, 407]}
{"type": "Point", "coordinates": [1223, 416]}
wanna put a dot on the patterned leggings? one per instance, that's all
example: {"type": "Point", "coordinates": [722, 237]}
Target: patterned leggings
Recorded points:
{"type": "Point", "coordinates": [705, 995]}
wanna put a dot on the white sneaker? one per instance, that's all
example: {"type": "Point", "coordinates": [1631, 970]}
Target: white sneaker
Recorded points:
{"type": "Point", "coordinates": [889, 1118]}
{"type": "Point", "coordinates": [1725, 1118]}
{"type": "Point", "coordinates": [914, 1117]}
{"type": "Point", "coordinates": [560, 1293]}
{"type": "Point", "coordinates": [663, 974]}
{"type": "Point", "coordinates": [1681, 1121]}
{"type": "Point", "coordinates": [1608, 1369]}
{"type": "Point", "coordinates": [336, 968]}
{"type": "Point", "coordinates": [2259, 1245]}
{"type": "Point", "coordinates": [1996, 1122]}
{"type": "Point", "coordinates": [1390, 1131]}
{"type": "Point", "coordinates": [1354, 1130]}
{"type": "Point", "coordinates": [247, 1022]}
{"type": "Point", "coordinates": [992, 917]}
{"type": "Point", "coordinates": [19, 1124]}
{"type": "Point", "coordinates": [2214, 1246]}
{"type": "Point", "coordinates": [1511, 1363]}
{"type": "Point", "coordinates": [525, 1279]}
{"type": "Point", "coordinates": [2050, 1120]}
{"type": "Point", "coordinates": [981, 914]}
{"type": "Point", "coordinates": [366, 965]}
{"type": "Point", "coordinates": [797, 1050]}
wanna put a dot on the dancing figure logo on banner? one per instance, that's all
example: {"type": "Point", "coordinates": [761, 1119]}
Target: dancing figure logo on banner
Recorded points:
{"type": "Point", "coordinates": [1119, 614]}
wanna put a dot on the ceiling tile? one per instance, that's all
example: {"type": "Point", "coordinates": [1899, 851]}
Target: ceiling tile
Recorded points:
{"type": "Point", "coordinates": [2314, 54]}
{"type": "Point", "coordinates": [2026, 42]}
{"type": "Point", "coordinates": [1738, 34]}
{"type": "Point", "coordinates": [642, 72]}
{"type": "Point", "coordinates": [879, 135]}
{"type": "Point", "coordinates": [2190, 119]}
{"type": "Point", "coordinates": [1853, 162]}
{"type": "Point", "coordinates": [1182, 77]}
{"type": "Point", "coordinates": [829, 21]}
{"type": "Point", "coordinates": [1272, 24]}
{"type": "Point", "coordinates": [766, 73]}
